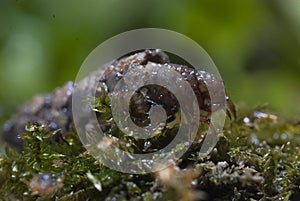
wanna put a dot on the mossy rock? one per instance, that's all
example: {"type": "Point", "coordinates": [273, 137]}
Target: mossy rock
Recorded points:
{"type": "Point", "coordinates": [256, 158]}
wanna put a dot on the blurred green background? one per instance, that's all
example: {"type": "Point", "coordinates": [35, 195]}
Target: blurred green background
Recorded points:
{"type": "Point", "coordinates": [255, 44]}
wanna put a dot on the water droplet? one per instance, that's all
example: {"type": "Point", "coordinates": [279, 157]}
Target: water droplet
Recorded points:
{"type": "Point", "coordinates": [283, 136]}
{"type": "Point", "coordinates": [246, 120]}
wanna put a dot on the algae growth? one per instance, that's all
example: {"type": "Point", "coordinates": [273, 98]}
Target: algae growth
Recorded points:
{"type": "Point", "coordinates": [256, 158]}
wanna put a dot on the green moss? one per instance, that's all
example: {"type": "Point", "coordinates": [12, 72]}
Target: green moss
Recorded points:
{"type": "Point", "coordinates": [256, 158]}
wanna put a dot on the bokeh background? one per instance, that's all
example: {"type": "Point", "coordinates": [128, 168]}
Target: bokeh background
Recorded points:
{"type": "Point", "coordinates": [255, 44]}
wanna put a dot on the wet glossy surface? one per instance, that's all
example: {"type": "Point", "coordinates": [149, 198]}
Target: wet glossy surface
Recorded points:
{"type": "Point", "coordinates": [54, 109]}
